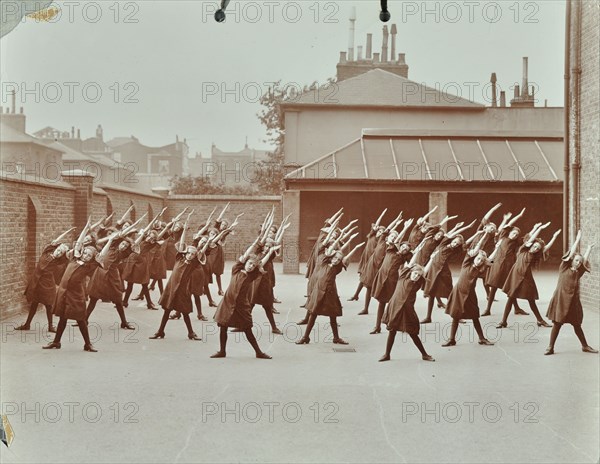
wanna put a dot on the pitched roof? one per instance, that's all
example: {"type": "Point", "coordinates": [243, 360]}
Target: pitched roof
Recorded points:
{"type": "Point", "coordinates": [382, 89]}
{"type": "Point", "coordinates": [460, 158]}
{"type": "Point", "coordinates": [9, 134]}
{"type": "Point", "coordinates": [70, 154]}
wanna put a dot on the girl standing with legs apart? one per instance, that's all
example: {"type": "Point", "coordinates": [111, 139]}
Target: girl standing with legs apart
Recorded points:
{"type": "Point", "coordinates": [462, 303]}
{"type": "Point", "coordinates": [565, 305]}
{"type": "Point", "coordinates": [324, 299]}
{"type": "Point", "coordinates": [397, 254]}
{"type": "Point", "coordinates": [70, 297]}
{"type": "Point", "coordinates": [235, 309]}
{"type": "Point", "coordinates": [400, 314]}
{"type": "Point", "coordinates": [42, 285]}
{"type": "Point", "coordinates": [520, 283]}
{"type": "Point", "coordinates": [178, 294]}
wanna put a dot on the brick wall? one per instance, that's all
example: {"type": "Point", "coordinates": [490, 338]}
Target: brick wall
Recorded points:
{"type": "Point", "coordinates": [254, 208]}
{"type": "Point", "coordinates": [121, 198]}
{"type": "Point", "coordinates": [33, 213]}
{"type": "Point", "coordinates": [585, 208]}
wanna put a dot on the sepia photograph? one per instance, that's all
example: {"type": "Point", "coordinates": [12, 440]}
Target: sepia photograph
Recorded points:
{"type": "Point", "coordinates": [310, 231]}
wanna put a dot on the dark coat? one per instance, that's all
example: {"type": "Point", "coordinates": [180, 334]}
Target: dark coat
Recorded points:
{"type": "Point", "coordinates": [170, 250]}
{"type": "Point", "coordinates": [488, 246]}
{"type": "Point", "coordinates": [261, 292]}
{"type": "Point", "coordinates": [158, 263]}
{"type": "Point", "coordinates": [106, 283]}
{"type": "Point", "coordinates": [235, 309]}
{"type": "Point", "coordinates": [415, 237]}
{"type": "Point", "coordinates": [70, 301]}
{"type": "Point", "coordinates": [438, 281]}
{"type": "Point", "coordinates": [430, 245]}
{"type": "Point", "coordinates": [504, 259]}
{"type": "Point", "coordinates": [385, 281]}
{"type": "Point", "coordinates": [368, 251]}
{"type": "Point", "coordinates": [324, 299]}
{"type": "Point", "coordinates": [520, 283]}
{"type": "Point", "coordinates": [137, 267]}
{"type": "Point", "coordinates": [375, 261]}
{"type": "Point", "coordinates": [462, 302]}
{"type": "Point", "coordinates": [314, 255]}
{"type": "Point", "coordinates": [400, 312]}
{"type": "Point", "coordinates": [41, 287]}
{"type": "Point", "coordinates": [565, 305]}
{"type": "Point", "coordinates": [177, 295]}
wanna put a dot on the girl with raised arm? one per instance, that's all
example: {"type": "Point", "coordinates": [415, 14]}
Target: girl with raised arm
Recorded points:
{"type": "Point", "coordinates": [385, 236]}
{"type": "Point", "coordinates": [520, 282]}
{"type": "Point", "coordinates": [71, 295]}
{"type": "Point", "coordinates": [235, 309]}
{"type": "Point", "coordinates": [177, 295]}
{"type": "Point", "coordinates": [462, 303]}
{"type": "Point", "coordinates": [400, 313]}
{"type": "Point", "coordinates": [324, 299]}
{"type": "Point", "coordinates": [217, 256]}
{"type": "Point", "coordinates": [565, 305]}
{"type": "Point", "coordinates": [508, 237]}
{"type": "Point", "coordinates": [42, 284]}
{"type": "Point", "coordinates": [438, 278]}
{"type": "Point", "coordinates": [397, 253]}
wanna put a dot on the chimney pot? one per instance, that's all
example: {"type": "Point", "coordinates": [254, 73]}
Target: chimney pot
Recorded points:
{"type": "Point", "coordinates": [493, 81]}
{"type": "Point", "coordinates": [502, 99]}
{"type": "Point", "coordinates": [525, 86]}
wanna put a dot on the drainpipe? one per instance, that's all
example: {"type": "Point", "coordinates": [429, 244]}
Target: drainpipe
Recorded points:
{"type": "Point", "coordinates": [567, 90]}
{"type": "Point", "coordinates": [576, 166]}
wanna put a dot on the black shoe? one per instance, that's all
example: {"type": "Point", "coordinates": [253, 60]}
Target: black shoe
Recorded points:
{"type": "Point", "coordinates": [485, 341]}
{"type": "Point", "coordinates": [140, 297]}
{"type": "Point", "coordinates": [152, 306]}
{"type": "Point", "coordinates": [276, 331]}
{"type": "Point", "coordinates": [49, 346]}
{"type": "Point", "coordinates": [441, 306]}
{"type": "Point", "coordinates": [89, 347]}
{"type": "Point", "coordinates": [236, 330]}
{"type": "Point", "coordinates": [274, 311]}
{"type": "Point", "coordinates": [426, 357]}
{"type": "Point", "coordinates": [502, 325]}
{"type": "Point", "coordinates": [212, 304]}
{"type": "Point", "coordinates": [263, 356]}
{"type": "Point", "coordinates": [157, 335]}
{"type": "Point", "coordinates": [303, 341]}
{"type": "Point", "coordinates": [549, 351]}
{"type": "Point", "coordinates": [51, 329]}
{"type": "Point", "coordinates": [220, 293]}
{"type": "Point", "coordinates": [125, 303]}
{"type": "Point", "coordinates": [487, 313]}
{"type": "Point", "coordinates": [275, 300]}
{"type": "Point", "coordinates": [543, 324]}
{"type": "Point", "coordinates": [363, 312]}
{"type": "Point", "coordinates": [449, 343]}
{"type": "Point", "coordinates": [23, 327]}
{"type": "Point", "coordinates": [303, 306]}
{"type": "Point", "coordinates": [302, 322]}
{"type": "Point", "coordinates": [218, 354]}
{"type": "Point", "coordinates": [375, 331]}
{"type": "Point", "coordinates": [175, 316]}
{"type": "Point", "coordinates": [426, 321]}
{"type": "Point", "coordinates": [201, 317]}
{"type": "Point", "coordinates": [520, 312]}
{"type": "Point", "coordinates": [354, 298]}
{"type": "Point", "coordinates": [193, 336]}
{"type": "Point", "coordinates": [385, 357]}
{"type": "Point", "coordinates": [127, 325]}
{"type": "Point", "coordinates": [588, 349]}
{"type": "Point", "coordinates": [340, 341]}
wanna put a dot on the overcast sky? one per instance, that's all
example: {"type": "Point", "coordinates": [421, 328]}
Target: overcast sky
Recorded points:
{"type": "Point", "coordinates": [166, 67]}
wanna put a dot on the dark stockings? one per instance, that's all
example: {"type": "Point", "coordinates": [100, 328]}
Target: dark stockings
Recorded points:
{"type": "Point", "coordinates": [83, 328]}
{"type": "Point", "coordinates": [33, 310]}
{"type": "Point", "coordinates": [513, 301]}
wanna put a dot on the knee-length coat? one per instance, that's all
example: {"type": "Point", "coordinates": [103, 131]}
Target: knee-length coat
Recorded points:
{"type": "Point", "coordinates": [488, 246]}
{"type": "Point", "coordinates": [462, 302]}
{"type": "Point", "coordinates": [157, 262]}
{"type": "Point", "coordinates": [368, 251]}
{"type": "Point", "coordinates": [170, 249]}
{"type": "Point", "coordinates": [504, 260]}
{"type": "Point", "coordinates": [201, 274]}
{"type": "Point", "coordinates": [386, 279]}
{"type": "Point", "coordinates": [375, 261]}
{"type": "Point", "coordinates": [324, 299]}
{"type": "Point", "coordinates": [400, 312]}
{"type": "Point", "coordinates": [70, 301]}
{"type": "Point", "coordinates": [261, 292]}
{"type": "Point", "coordinates": [314, 255]}
{"type": "Point", "coordinates": [137, 266]}
{"type": "Point", "coordinates": [42, 284]}
{"type": "Point", "coordinates": [565, 305]}
{"type": "Point", "coordinates": [520, 282]}
{"type": "Point", "coordinates": [438, 281]}
{"type": "Point", "coordinates": [106, 283]}
{"type": "Point", "coordinates": [415, 237]}
{"type": "Point", "coordinates": [235, 309]}
{"type": "Point", "coordinates": [177, 295]}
